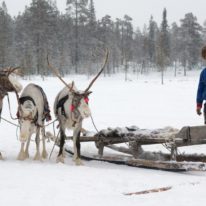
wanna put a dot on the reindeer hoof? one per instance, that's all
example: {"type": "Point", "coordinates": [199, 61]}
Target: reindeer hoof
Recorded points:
{"type": "Point", "coordinates": [60, 158]}
{"type": "Point", "coordinates": [63, 154]}
{"type": "Point", "coordinates": [21, 156]}
{"type": "Point", "coordinates": [78, 162]}
{"type": "Point", "coordinates": [26, 154]}
{"type": "Point", "coordinates": [37, 157]}
{"type": "Point", "coordinates": [44, 154]}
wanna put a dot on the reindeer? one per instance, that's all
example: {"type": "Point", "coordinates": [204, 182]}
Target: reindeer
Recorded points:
{"type": "Point", "coordinates": [32, 112]}
{"type": "Point", "coordinates": [8, 83]}
{"type": "Point", "coordinates": [70, 108]}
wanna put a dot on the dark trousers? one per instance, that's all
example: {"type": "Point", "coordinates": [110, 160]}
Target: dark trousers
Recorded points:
{"type": "Point", "coordinates": [204, 112]}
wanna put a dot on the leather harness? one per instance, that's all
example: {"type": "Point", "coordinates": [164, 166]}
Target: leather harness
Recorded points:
{"type": "Point", "coordinates": [60, 104]}
{"type": "Point", "coordinates": [26, 98]}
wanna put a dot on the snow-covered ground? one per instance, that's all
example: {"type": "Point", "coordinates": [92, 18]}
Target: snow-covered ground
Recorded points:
{"type": "Point", "coordinates": [143, 102]}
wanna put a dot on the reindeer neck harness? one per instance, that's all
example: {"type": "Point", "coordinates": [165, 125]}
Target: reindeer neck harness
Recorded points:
{"type": "Point", "coordinates": [21, 101]}
{"type": "Point", "coordinates": [60, 105]}
{"type": "Point", "coordinates": [73, 108]}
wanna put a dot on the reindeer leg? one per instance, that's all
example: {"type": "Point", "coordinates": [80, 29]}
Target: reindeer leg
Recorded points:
{"type": "Point", "coordinates": [1, 105]}
{"type": "Point", "coordinates": [21, 155]}
{"type": "Point", "coordinates": [60, 157]}
{"type": "Point", "coordinates": [44, 152]}
{"type": "Point", "coordinates": [1, 158]}
{"type": "Point", "coordinates": [26, 153]}
{"type": "Point", "coordinates": [76, 144]}
{"type": "Point", "coordinates": [37, 140]}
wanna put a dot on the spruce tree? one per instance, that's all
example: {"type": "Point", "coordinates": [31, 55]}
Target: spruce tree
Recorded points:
{"type": "Point", "coordinates": [191, 41]}
{"type": "Point", "coordinates": [5, 36]}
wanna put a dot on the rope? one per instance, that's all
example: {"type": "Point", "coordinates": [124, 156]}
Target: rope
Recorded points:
{"type": "Point", "coordinates": [17, 136]}
{"type": "Point", "coordinates": [54, 145]}
{"type": "Point", "coordinates": [50, 123]}
{"type": "Point", "coordinates": [94, 124]}
{"type": "Point", "coordinates": [17, 126]}
{"type": "Point", "coordinates": [10, 122]}
{"type": "Point", "coordinates": [17, 118]}
{"type": "Point", "coordinates": [55, 139]}
{"type": "Point", "coordinates": [169, 145]}
{"type": "Point", "coordinates": [10, 108]}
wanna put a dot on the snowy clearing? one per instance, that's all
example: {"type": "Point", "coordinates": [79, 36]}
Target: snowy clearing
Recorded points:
{"type": "Point", "coordinates": [143, 102]}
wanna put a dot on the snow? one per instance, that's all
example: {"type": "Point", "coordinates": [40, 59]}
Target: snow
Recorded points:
{"type": "Point", "coordinates": [142, 102]}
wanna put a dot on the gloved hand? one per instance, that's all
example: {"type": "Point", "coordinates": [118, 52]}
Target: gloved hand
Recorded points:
{"type": "Point", "coordinates": [198, 110]}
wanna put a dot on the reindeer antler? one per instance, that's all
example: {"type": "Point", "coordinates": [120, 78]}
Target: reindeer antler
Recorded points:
{"type": "Point", "coordinates": [95, 78]}
{"type": "Point", "coordinates": [14, 70]}
{"type": "Point", "coordinates": [55, 71]}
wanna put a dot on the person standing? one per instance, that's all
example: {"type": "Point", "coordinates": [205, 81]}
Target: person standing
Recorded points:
{"type": "Point", "coordinates": [201, 91]}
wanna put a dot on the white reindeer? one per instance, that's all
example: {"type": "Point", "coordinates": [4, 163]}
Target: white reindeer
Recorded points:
{"type": "Point", "coordinates": [70, 108]}
{"type": "Point", "coordinates": [9, 83]}
{"type": "Point", "coordinates": [32, 112]}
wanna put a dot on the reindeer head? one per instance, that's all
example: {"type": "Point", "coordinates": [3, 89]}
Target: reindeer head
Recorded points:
{"type": "Point", "coordinates": [27, 114]}
{"type": "Point", "coordinates": [9, 81]}
{"type": "Point", "coordinates": [79, 99]}
{"type": "Point", "coordinates": [79, 106]}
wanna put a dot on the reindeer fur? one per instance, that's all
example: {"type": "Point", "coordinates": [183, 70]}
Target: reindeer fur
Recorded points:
{"type": "Point", "coordinates": [31, 119]}
{"type": "Point", "coordinates": [75, 109]}
{"type": "Point", "coordinates": [70, 120]}
{"type": "Point", "coordinates": [8, 83]}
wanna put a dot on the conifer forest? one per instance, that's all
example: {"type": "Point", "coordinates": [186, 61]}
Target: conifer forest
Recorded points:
{"type": "Point", "coordinates": [75, 40]}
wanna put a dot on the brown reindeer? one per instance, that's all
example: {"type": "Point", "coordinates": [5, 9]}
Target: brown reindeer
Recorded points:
{"type": "Point", "coordinates": [70, 108]}
{"type": "Point", "coordinates": [8, 83]}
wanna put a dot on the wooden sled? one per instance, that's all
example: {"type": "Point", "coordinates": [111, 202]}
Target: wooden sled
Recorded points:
{"type": "Point", "coordinates": [135, 156]}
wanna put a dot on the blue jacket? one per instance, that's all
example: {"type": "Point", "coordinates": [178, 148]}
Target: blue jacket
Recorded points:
{"type": "Point", "coordinates": [201, 91]}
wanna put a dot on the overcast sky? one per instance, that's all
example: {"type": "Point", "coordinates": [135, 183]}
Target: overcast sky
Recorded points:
{"type": "Point", "coordinates": [139, 10]}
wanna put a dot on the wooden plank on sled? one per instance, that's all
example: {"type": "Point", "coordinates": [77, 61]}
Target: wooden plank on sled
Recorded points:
{"type": "Point", "coordinates": [167, 165]}
{"type": "Point", "coordinates": [180, 157]}
{"type": "Point", "coordinates": [179, 142]}
{"type": "Point", "coordinates": [171, 166]}
{"type": "Point", "coordinates": [193, 133]}
{"type": "Point", "coordinates": [116, 140]}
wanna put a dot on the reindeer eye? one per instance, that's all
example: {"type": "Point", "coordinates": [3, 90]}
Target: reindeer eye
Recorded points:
{"type": "Point", "coordinates": [86, 99]}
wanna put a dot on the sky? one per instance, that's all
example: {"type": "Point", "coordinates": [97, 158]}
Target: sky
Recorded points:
{"type": "Point", "coordinates": [139, 10]}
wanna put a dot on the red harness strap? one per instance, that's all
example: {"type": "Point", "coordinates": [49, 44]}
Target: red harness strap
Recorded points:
{"type": "Point", "coordinates": [72, 107]}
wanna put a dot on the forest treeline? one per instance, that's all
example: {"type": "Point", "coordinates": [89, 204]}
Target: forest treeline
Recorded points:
{"type": "Point", "coordinates": [76, 39]}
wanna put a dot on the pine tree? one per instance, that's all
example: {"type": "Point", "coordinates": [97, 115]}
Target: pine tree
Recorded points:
{"type": "Point", "coordinates": [92, 16]}
{"type": "Point", "coordinates": [78, 10]}
{"type": "Point", "coordinates": [191, 41]}
{"type": "Point", "coordinates": [175, 46]}
{"type": "Point", "coordinates": [39, 22]}
{"type": "Point", "coordinates": [151, 40]}
{"type": "Point", "coordinates": [163, 46]}
{"type": "Point", "coordinates": [165, 42]}
{"type": "Point", "coordinates": [5, 36]}
{"type": "Point", "coordinates": [145, 49]}
{"type": "Point", "coordinates": [138, 49]}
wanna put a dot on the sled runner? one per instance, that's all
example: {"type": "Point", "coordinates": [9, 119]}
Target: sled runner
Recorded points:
{"type": "Point", "coordinates": [172, 166]}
